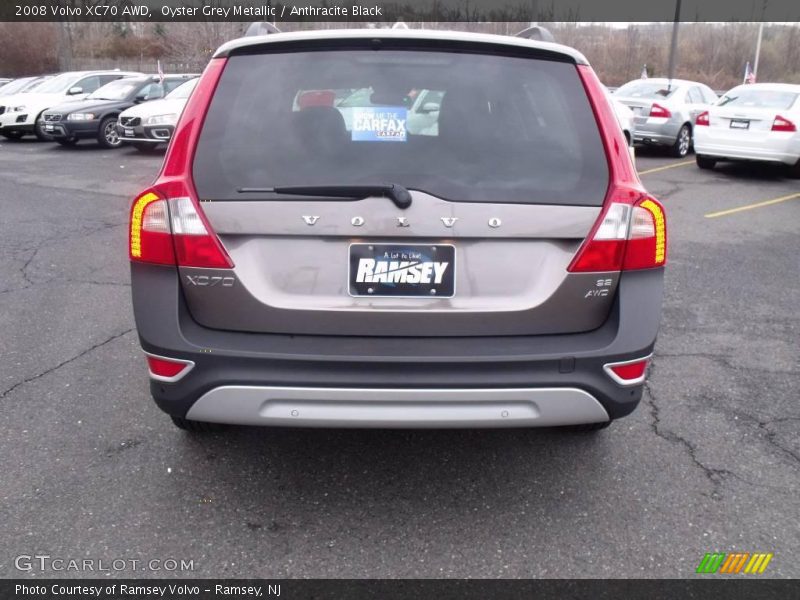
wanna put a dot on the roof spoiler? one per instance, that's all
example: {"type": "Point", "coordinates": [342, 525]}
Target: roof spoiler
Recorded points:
{"type": "Point", "coordinates": [536, 33]}
{"type": "Point", "coordinates": [261, 28]}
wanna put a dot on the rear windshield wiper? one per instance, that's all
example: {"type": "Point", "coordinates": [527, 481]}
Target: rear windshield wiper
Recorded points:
{"type": "Point", "coordinates": [396, 193]}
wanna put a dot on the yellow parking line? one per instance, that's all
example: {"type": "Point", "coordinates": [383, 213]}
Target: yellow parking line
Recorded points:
{"type": "Point", "coordinates": [730, 211]}
{"type": "Point", "coordinates": [672, 166]}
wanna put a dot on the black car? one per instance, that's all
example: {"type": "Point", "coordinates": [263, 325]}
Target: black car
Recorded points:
{"type": "Point", "coordinates": [96, 116]}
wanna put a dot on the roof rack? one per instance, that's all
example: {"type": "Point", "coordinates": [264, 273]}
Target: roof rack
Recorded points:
{"type": "Point", "coordinates": [537, 33]}
{"type": "Point", "coordinates": [261, 28]}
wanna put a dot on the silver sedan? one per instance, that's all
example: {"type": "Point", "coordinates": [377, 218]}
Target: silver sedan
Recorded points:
{"type": "Point", "coordinates": [665, 110]}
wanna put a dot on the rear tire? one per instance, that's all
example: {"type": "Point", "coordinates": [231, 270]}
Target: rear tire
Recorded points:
{"type": "Point", "coordinates": [589, 427]}
{"type": "Point", "coordinates": [13, 135]}
{"type": "Point", "coordinates": [683, 143]}
{"type": "Point", "coordinates": [704, 162]}
{"type": "Point", "coordinates": [196, 426]}
{"type": "Point", "coordinates": [795, 170]}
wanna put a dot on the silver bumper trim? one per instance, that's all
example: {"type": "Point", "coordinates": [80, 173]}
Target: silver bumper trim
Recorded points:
{"type": "Point", "coordinates": [407, 408]}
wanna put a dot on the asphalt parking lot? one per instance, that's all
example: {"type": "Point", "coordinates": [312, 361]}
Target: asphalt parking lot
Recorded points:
{"type": "Point", "coordinates": [710, 462]}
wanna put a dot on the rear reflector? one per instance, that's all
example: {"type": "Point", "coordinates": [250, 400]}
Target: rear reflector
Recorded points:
{"type": "Point", "coordinates": [629, 372]}
{"type": "Point", "coordinates": [783, 124]}
{"type": "Point", "coordinates": [168, 369]}
{"type": "Point", "coordinates": [703, 119]}
{"type": "Point", "coordinates": [659, 111]}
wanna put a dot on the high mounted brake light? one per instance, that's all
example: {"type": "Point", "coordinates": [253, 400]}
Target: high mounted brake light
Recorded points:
{"type": "Point", "coordinates": [631, 232]}
{"type": "Point", "coordinates": [167, 225]}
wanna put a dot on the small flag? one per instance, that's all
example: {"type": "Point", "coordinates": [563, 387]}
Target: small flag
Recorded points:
{"type": "Point", "coordinates": [749, 75]}
{"type": "Point", "coordinates": [161, 73]}
{"type": "Point", "coordinates": [644, 72]}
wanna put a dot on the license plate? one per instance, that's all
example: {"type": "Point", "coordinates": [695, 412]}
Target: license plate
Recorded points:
{"type": "Point", "coordinates": [402, 270]}
{"type": "Point", "coordinates": [740, 124]}
{"type": "Point", "coordinates": [129, 133]}
{"type": "Point", "coordinates": [48, 127]}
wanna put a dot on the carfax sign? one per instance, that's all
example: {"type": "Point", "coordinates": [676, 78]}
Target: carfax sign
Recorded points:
{"type": "Point", "coordinates": [379, 124]}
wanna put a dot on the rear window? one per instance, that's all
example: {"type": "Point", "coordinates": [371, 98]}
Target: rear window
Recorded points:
{"type": "Point", "coordinates": [750, 98]}
{"type": "Point", "coordinates": [465, 127]}
{"type": "Point", "coordinates": [646, 89]}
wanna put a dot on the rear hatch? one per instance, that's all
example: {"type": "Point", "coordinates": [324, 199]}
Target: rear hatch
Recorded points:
{"type": "Point", "coordinates": [499, 153]}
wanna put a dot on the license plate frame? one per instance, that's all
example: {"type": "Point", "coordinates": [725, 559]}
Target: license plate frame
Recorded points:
{"type": "Point", "coordinates": [740, 124]}
{"type": "Point", "coordinates": [420, 259]}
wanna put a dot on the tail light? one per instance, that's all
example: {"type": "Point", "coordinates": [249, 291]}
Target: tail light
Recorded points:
{"type": "Point", "coordinates": [629, 372]}
{"type": "Point", "coordinates": [703, 119]}
{"type": "Point", "coordinates": [172, 231]}
{"type": "Point", "coordinates": [631, 232]}
{"type": "Point", "coordinates": [627, 237]}
{"type": "Point", "coordinates": [167, 225]}
{"type": "Point", "coordinates": [168, 370]}
{"type": "Point", "coordinates": [783, 124]}
{"type": "Point", "coordinates": [659, 111]}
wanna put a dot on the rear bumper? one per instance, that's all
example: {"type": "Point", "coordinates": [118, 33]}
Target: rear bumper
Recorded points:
{"type": "Point", "coordinates": [656, 131]}
{"type": "Point", "coordinates": [242, 377]}
{"type": "Point", "coordinates": [787, 152]}
{"type": "Point", "coordinates": [392, 407]}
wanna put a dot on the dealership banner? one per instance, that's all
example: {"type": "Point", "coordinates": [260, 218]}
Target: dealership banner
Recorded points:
{"type": "Point", "coordinates": [388, 11]}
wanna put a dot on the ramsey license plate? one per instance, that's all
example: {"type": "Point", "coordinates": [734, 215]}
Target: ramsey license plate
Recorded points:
{"type": "Point", "coordinates": [48, 127]}
{"type": "Point", "coordinates": [740, 124]}
{"type": "Point", "coordinates": [402, 270]}
{"type": "Point", "coordinates": [129, 133]}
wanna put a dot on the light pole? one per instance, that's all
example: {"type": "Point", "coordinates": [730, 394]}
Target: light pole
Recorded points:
{"type": "Point", "coordinates": [758, 48]}
{"type": "Point", "coordinates": [673, 47]}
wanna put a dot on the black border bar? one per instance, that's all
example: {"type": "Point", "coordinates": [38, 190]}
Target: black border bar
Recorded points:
{"type": "Point", "coordinates": [389, 11]}
{"type": "Point", "coordinates": [700, 588]}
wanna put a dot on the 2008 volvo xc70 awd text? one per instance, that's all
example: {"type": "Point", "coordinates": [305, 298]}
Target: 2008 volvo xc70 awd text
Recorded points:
{"type": "Point", "coordinates": [397, 228]}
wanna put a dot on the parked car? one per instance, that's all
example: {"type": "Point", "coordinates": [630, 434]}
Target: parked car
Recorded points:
{"type": "Point", "coordinates": [664, 110]}
{"type": "Point", "coordinates": [22, 115]}
{"type": "Point", "coordinates": [757, 122]}
{"type": "Point", "coordinates": [505, 269]}
{"type": "Point", "coordinates": [146, 126]}
{"type": "Point", "coordinates": [96, 116]}
{"type": "Point", "coordinates": [4, 81]}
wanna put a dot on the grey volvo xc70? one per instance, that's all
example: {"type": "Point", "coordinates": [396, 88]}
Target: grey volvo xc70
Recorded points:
{"type": "Point", "coordinates": [397, 228]}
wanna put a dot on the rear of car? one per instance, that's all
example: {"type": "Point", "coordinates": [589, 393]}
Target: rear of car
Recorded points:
{"type": "Point", "coordinates": [397, 229]}
{"type": "Point", "coordinates": [665, 110]}
{"type": "Point", "coordinates": [755, 122]}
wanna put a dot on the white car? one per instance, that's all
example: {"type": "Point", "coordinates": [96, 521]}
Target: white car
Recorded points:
{"type": "Point", "coordinates": [21, 112]}
{"type": "Point", "coordinates": [147, 125]}
{"type": "Point", "coordinates": [756, 122]}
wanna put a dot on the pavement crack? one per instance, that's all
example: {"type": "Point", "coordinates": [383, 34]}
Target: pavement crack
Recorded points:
{"type": "Point", "coordinates": [715, 476]}
{"type": "Point", "coordinates": [64, 363]}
